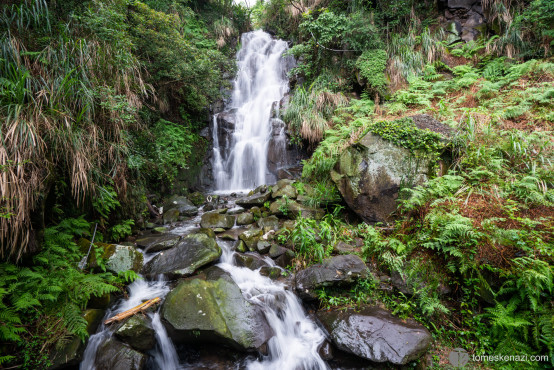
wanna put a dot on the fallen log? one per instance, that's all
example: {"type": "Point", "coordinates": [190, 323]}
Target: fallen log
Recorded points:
{"type": "Point", "coordinates": [125, 314]}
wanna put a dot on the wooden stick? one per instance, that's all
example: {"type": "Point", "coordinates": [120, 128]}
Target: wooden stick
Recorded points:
{"type": "Point", "coordinates": [125, 314]}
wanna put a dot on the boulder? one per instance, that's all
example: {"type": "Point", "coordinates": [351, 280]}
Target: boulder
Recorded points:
{"type": "Point", "coordinates": [182, 204]}
{"type": "Point", "coordinates": [245, 218]}
{"type": "Point", "coordinates": [285, 259]}
{"type": "Point", "coordinates": [250, 260]}
{"type": "Point", "coordinates": [271, 272]}
{"type": "Point", "coordinates": [215, 220]}
{"type": "Point", "coordinates": [332, 271]}
{"type": "Point", "coordinates": [262, 247]}
{"type": "Point", "coordinates": [235, 210]}
{"type": "Point", "coordinates": [137, 331]}
{"type": "Point", "coordinates": [375, 334]}
{"type": "Point", "coordinates": [114, 355]}
{"type": "Point", "coordinates": [268, 223]}
{"type": "Point", "coordinates": [288, 191]}
{"type": "Point", "coordinates": [171, 216]}
{"type": "Point", "coordinates": [191, 253]}
{"type": "Point", "coordinates": [369, 175]}
{"type": "Point", "coordinates": [276, 250]}
{"type": "Point", "coordinates": [214, 311]}
{"type": "Point", "coordinates": [197, 198]}
{"type": "Point", "coordinates": [159, 242]}
{"type": "Point", "coordinates": [250, 237]}
{"type": "Point", "coordinates": [121, 258]}
{"type": "Point", "coordinates": [256, 199]}
{"type": "Point", "coordinates": [345, 248]}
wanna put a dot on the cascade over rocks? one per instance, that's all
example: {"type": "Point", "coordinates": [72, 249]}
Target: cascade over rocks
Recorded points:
{"type": "Point", "coordinates": [191, 253]}
{"type": "Point", "coordinates": [369, 173]}
{"type": "Point", "coordinates": [375, 334]}
{"type": "Point", "coordinates": [333, 271]}
{"type": "Point", "coordinates": [214, 311]}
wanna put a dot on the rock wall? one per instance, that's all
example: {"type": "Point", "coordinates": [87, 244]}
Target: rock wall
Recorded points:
{"type": "Point", "coordinates": [465, 19]}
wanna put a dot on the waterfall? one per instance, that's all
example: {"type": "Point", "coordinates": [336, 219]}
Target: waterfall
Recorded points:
{"type": "Point", "coordinates": [242, 133]}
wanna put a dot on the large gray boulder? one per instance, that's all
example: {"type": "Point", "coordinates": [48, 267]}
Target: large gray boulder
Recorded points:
{"type": "Point", "coordinates": [369, 173]}
{"type": "Point", "coordinates": [114, 355]}
{"type": "Point", "coordinates": [217, 220]}
{"type": "Point", "coordinates": [214, 311]}
{"type": "Point", "coordinates": [333, 271]}
{"type": "Point", "coordinates": [375, 334]}
{"type": "Point", "coordinates": [122, 258]}
{"type": "Point", "coordinates": [192, 252]}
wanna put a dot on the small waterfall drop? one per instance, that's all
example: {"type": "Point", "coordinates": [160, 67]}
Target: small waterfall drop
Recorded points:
{"type": "Point", "coordinates": [243, 133]}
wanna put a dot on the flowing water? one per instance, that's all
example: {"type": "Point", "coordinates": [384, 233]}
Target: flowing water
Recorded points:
{"type": "Point", "coordinates": [241, 161]}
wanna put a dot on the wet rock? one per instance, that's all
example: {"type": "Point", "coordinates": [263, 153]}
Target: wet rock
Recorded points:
{"type": "Point", "coordinates": [333, 271]}
{"type": "Point", "coordinates": [375, 334]}
{"type": "Point", "coordinates": [171, 216]}
{"type": "Point", "coordinates": [231, 234]}
{"type": "Point", "coordinates": [257, 199]}
{"type": "Point", "coordinates": [262, 247]}
{"type": "Point", "coordinates": [241, 247]}
{"type": "Point", "coordinates": [215, 220]}
{"type": "Point", "coordinates": [256, 211]}
{"type": "Point", "coordinates": [197, 198]}
{"type": "Point", "coordinates": [156, 243]}
{"type": "Point", "coordinates": [137, 331]}
{"type": "Point", "coordinates": [235, 211]}
{"type": "Point", "coordinates": [250, 237]}
{"type": "Point", "coordinates": [159, 230]}
{"type": "Point", "coordinates": [245, 218]}
{"type": "Point", "coordinates": [219, 230]}
{"type": "Point", "coordinates": [276, 250]}
{"type": "Point", "coordinates": [114, 355]}
{"type": "Point", "coordinates": [326, 351]}
{"type": "Point", "coordinates": [249, 260]}
{"type": "Point", "coordinates": [271, 272]}
{"type": "Point", "coordinates": [214, 311]}
{"type": "Point", "coordinates": [209, 232]}
{"type": "Point", "coordinates": [285, 259]}
{"type": "Point", "coordinates": [269, 223]}
{"type": "Point", "coordinates": [191, 253]}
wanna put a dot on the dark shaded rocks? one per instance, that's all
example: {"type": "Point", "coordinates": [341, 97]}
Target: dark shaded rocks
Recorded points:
{"type": "Point", "coordinates": [114, 355]}
{"type": "Point", "coordinates": [215, 220]}
{"type": "Point", "coordinates": [137, 331]}
{"type": "Point", "coordinates": [276, 250]}
{"type": "Point", "coordinates": [249, 260]}
{"type": "Point", "coordinates": [214, 311]}
{"type": "Point", "coordinates": [333, 271]}
{"type": "Point", "coordinates": [158, 242]}
{"type": "Point", "coordinates": [71, 353]}
{"type": "Point", "coordinates": [375, 334]}
{"type": "Point", "coordinates": [191, 253]}
{"type": "Point", "coordinates": [181, 204]}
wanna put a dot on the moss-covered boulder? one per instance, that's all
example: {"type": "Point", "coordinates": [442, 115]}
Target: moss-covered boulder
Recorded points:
{"type": "Point", "coordinates": [137, 331]}
{"type": "Point", "coordinates": [250, 237]}
{"type": "Point", "coordinates": [251, 261]}
{"type": "Point", "coordinates": [124, 258]}
{"type": "Point", "coordinates": [287, 190]}
{"type": "Point", "coordinates": [171, 216]}
{"type": "Point", "coordinates": [369, 174]}
{"type": "Point", "coordinates": [191, 253]}
{"type": "Point", "coordinates": [214, 311]}
{"type": "Point", "coordinates": [245, 218]}
{"type": "Point", "coordinates": [217, 220]}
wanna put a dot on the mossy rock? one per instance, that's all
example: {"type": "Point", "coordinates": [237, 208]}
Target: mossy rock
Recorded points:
{"type": "Point", "coordinates": [137, 331]}
{"type": "Point", "coordinates": [217, 220]}
{"type": "Point", "coordinates": [250, 238]}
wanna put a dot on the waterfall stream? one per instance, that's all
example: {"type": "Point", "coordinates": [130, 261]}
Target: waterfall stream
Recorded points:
{"type": "Point", "coordinates": [242, 133]}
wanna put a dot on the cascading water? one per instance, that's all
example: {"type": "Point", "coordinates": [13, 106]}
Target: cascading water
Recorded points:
{"type": "Point", "coordinates": [240, 154]}
{"type": "Point", "coordinates": [297, 339]}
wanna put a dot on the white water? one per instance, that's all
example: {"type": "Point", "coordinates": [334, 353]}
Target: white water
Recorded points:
{"type": "Point", "coordinates": [297, 339]}
{"type": "Point", "coordinates": [261, 81]}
